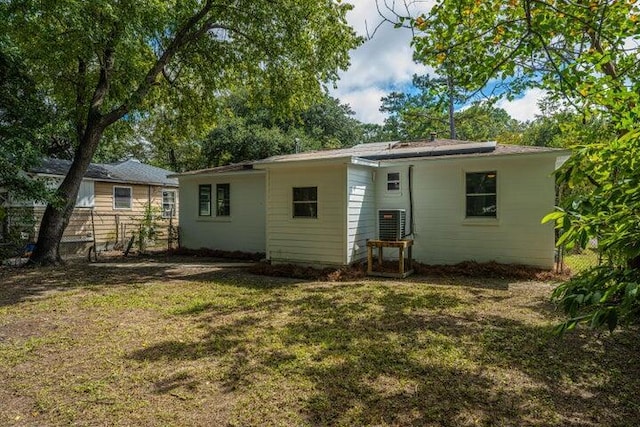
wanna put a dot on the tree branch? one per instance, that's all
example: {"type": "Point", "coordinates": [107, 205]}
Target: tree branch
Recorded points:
{"type": "Point", "coordinates": [81, 89]}
{"type": "Point", "coordinates": [183, 36]}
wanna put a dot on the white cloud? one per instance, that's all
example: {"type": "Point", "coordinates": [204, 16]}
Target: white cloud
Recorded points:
{"type": "Point", "coordinates": [366, 103]}
{"type": "Point", "coordinates": [382, 64]}
{"type": "Point", "coordinates": [524, 108]}
{"type": "Point", "coordinates": [385, 63]}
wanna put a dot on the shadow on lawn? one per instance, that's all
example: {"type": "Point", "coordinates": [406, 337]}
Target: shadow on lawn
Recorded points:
{"type": "Point", "coordinates": [377, 355]}
{"type": "Point", "coordinates": [19, 284]}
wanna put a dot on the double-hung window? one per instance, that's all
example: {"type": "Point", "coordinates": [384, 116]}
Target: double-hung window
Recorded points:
{"type": "Point", "coordinates": [168, 203]}
{"type": "Point", "coordinates": [481, 194]}
{"type": "Point", "coordinates": [393, 181]}
{"type": "Point", "coordinates": [305, 202]}
{"type": "Point", "coordinates": [204, 200]}
{"type": "Point", "coordinates": [223, 200]}
{"type": "Point", "coordinates": [121, 197]}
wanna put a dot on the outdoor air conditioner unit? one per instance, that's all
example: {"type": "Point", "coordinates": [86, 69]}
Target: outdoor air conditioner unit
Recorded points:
{"type": "Point", "coordinates": [391, 224]}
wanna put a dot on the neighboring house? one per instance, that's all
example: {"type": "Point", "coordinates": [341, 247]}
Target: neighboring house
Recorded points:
{"type": "Point", "coordinates": [111, 202]}
{"type": "Point", "coordinates": [479, 201]}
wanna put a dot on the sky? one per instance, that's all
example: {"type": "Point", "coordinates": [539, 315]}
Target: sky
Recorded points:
{"type": "Point", "coordinates": [384, 63]}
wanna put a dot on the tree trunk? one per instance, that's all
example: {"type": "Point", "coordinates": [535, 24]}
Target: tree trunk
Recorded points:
{"type": "Point", "coordinates": [57, 214]}
{"type": "Point", "coordinates": [452, 122]}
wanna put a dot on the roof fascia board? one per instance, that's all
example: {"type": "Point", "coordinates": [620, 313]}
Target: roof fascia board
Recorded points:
{"type": "Point", "coordinates": [211, 174]}
{"type": "Point", "coordinates": [332, 161]}
{"type": "Point", "coordinates": [53, 175]}
{"type": "Point", "coordinates": [359, 161]}
{"type": "Point", "coordinates": [559, 153]}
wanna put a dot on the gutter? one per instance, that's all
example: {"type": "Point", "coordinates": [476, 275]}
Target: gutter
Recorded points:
{"type": "Point", "coordinates": [439, 153]}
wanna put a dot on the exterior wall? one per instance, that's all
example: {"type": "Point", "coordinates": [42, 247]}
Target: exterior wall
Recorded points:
{"type": "Point", "coordinates": [361, 212]}
{"type": "Point", "coordinates": [394, 199]}
{"type": "Point", "coordinates": [111, 226]}
{"type": "Point", "coordinates": [314, 241]}
{"type": "Point", "coordinates": [243, 230]}
{"type": "Point", "coordinates": [116, 225]}
{"type": "Point", "coordinates": [525, 193]}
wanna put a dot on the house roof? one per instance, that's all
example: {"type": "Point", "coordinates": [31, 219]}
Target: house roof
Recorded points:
{"type": "Point", "coordinates": [129, 171]}
{"type": "Point", "coordinates": [233, 167]}
{"type": "Point", "coordinates": [387, 151]}
{"type": "Point", "coordinates": [412, 149]}
{"type": "Point", "coordinates": [135, 171]}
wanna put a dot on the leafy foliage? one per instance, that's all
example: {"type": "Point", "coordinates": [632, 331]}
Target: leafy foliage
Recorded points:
{"type": "Point", "coordinates": [249, 132]}
{"type": "Point", "coordinates": [103, 63]}
{"type": "Point", "coordinates": [585, 54]}
{"type": "Point", "coordinates": [24, 125]}
{"type": "Point", "coordinates": [424, 109]}
{"type": "Point", "coordinates": [605, 295]}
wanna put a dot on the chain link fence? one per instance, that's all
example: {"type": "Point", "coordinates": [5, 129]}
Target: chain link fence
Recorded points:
{"type": "Point", "coordinates": [575, 260]}
{"type": "Point", "coordinates": [88, 232]}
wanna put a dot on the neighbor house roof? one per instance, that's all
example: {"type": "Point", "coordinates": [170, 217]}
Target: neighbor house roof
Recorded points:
{"type": "Point", "coordinates": [129, 171]}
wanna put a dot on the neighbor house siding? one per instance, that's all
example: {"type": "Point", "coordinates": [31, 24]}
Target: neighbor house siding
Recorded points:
{"type": "Point", "coordinates": [525, 193]}
{"type": "Point", "coordinates": [361, 217]}
{"type": "Point", "coordinates": [111, 226]}
{"type": "Point", "coordinates": [321, 240]}
{"type": "Point", "coordinates": [243, 230]}
{"type": "Point", "coordinates": [113, 223]}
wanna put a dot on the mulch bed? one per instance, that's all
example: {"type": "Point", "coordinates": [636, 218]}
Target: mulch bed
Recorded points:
{"type": "Point", "coordinates": [359, 271]}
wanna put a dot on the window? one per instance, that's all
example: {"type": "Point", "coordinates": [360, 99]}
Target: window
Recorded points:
{"type": "Point", "coordinates": [204, 200]}
{"type": "Point", "coordinates": [223, 205]}
{"type": "Point", "coordinates": [121, 197]}
{"type": "Point", "coordinates": [168, 203]}
{"type": "Point", "coordinates": [86, 195]}
{"type": "Point", "coordinates": [481, 194]}
{"type": "Point", "coordinates": [305, 202]}
{"type": "Point", "coordinates": [393, 181]}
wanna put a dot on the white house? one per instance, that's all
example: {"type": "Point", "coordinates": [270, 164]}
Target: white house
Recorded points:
{"type": "Point", "coordinates": [463, 201]}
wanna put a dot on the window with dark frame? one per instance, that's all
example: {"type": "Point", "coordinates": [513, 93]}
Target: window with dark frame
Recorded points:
{"type": "Point", "coordinates": [481, 194]}
{"type": "Point", "coordinates": [223, 200]}
{"type": "Point", "coordinates": [305, 202]}
{"type": "Point", "coordinates": [168, 203]}
{"type": "Point", "coordinates": [121, 197]}
{"type": "Point", "coordinates": [393, 181]}
{"type": "Point", "coordinates": [204, 200]}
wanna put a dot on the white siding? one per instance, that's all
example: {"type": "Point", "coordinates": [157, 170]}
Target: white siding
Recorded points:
{"type": "Point", "coordinates": [243, 230]}
{"type": "Point", "coordinates": [361, 217]}
{"type": "Point", "coordinates": [525, 193]}
{"type": "Point", "coordinates": [394, 199]}
{"type": "Point", "coordinates": [318, 241]}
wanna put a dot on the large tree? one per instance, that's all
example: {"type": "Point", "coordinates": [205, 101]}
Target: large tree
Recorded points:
{"type": "Point", "coordinates": [105, 62]}
{"type": "Point", "coordinates": [584, 53]}
{"type": "Point", "coordinates": [25, 122]}
{"type": "Point", "coordinates": [250, 132]}
{"type": "Point", "coordinates": [427, 107]}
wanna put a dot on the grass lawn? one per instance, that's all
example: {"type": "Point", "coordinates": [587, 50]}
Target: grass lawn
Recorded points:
{"type": "Point", "coordinates": [582, 261]}
{"type": "Point", "coordinates": [146, 345]}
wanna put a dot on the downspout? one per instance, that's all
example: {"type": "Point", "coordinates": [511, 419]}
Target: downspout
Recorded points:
{"type": "Point", "coordinates": [411, 221]}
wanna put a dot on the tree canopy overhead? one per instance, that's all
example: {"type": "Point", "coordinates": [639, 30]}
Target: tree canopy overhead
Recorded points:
{"type": "Point", "coordinates": [584, 51]}
{"type": "Point", "coordinates": [105, 62]}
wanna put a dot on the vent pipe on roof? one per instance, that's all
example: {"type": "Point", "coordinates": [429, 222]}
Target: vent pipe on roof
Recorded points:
{"type": "Point", "coordinates": [433, 136]}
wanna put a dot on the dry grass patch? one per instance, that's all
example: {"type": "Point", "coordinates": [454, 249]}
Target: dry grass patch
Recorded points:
{"type": "Point", "coordinates": [204, 346]}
